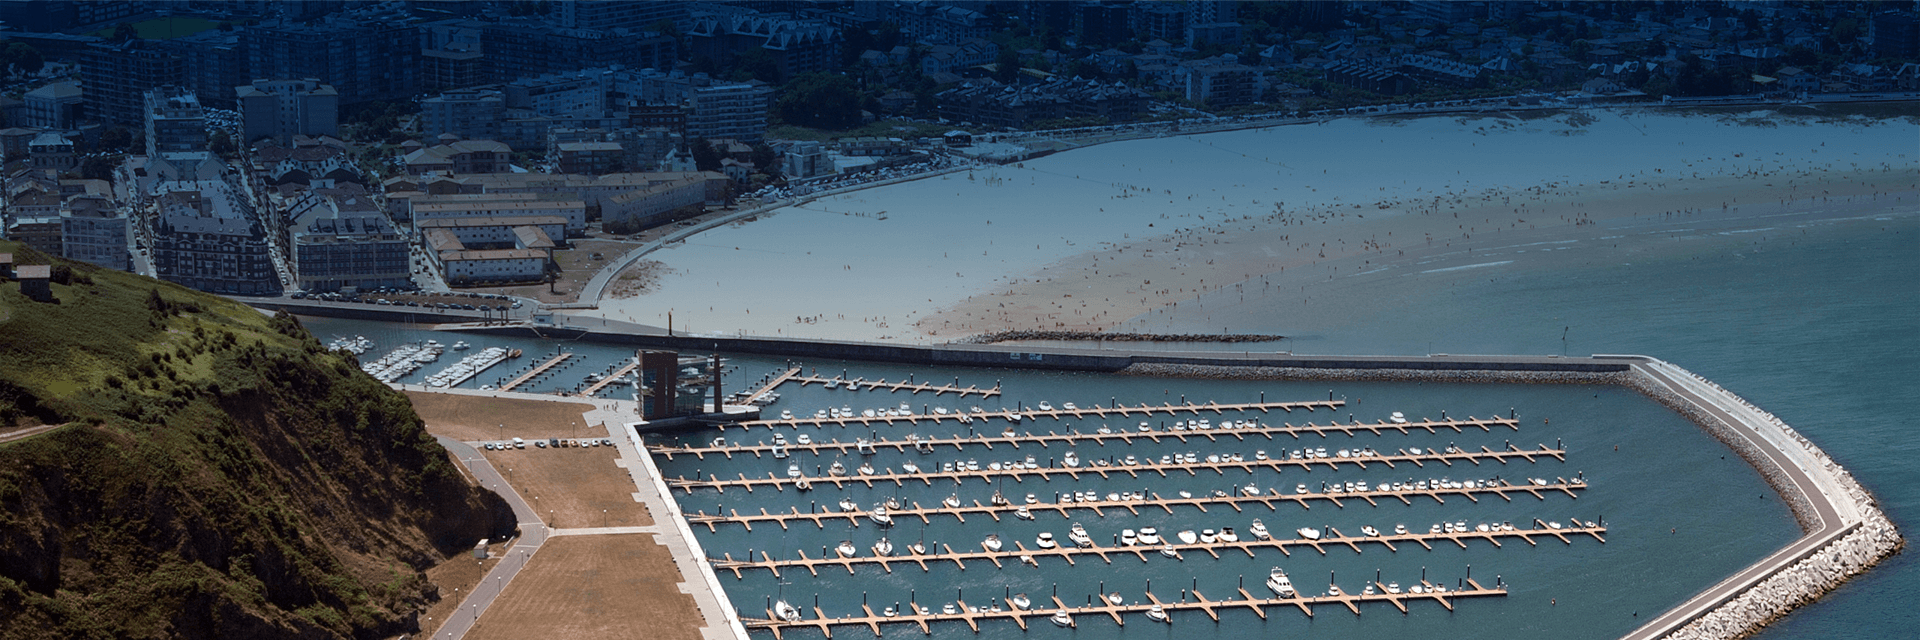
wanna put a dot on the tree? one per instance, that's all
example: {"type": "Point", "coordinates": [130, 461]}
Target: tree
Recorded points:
{"type": "Point", "coordinates": [99, 167]}
{"type": "Point", "coordinates": [115, 139]}
{"type": "Point", "coordinates": [22, 58]}
{"type": "Point", "coordinates": [820, 100]}
{"type": "Point", "coordinates": [124, 32]}
{"type": "Point", "coordinates": [1007, 66]}
{"type": "Point", "coordinates": [755, 64]}
{"type": "Point", "coordinates": [221, 144]}
{"type": "Point", "coordinates": [705, 157]}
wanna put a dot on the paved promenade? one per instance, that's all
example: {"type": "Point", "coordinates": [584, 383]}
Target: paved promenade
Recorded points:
{"type": "Point", "coordinates": [533, 533]}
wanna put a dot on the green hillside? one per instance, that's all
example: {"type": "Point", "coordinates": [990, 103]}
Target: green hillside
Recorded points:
{"type": "Point", "coordinates": [219, 473]}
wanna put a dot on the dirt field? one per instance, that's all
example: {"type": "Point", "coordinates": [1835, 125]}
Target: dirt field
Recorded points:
{"type": "Point", "coordinates": [469, 418]}
{"type": "Point", "coordinates": [455, 577]}
{"type": "Point", "coordinates": [573, 487]}
{"type": "Point", "coordinates": [586, 587]}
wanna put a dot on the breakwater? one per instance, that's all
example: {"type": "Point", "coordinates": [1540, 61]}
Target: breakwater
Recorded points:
{"type": "Point", "coordinates": [1100, 336]}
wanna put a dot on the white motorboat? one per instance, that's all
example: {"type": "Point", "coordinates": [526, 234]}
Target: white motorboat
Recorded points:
{"type": "Point", "coordinates": [1044, 406]}
{"type": "Point", "coordinates": [1079, 536]}
{"type": "Point", "coordinates": [1071, 460]}
{"type": "Point", "coordinates": [1187, 537]}
{"type": "Point", "coordinates": [918, 548]}
{"type": "Point", "coordinates": [1260, 455]}
{"type": "Point", "coordinates": [1185, 494]}
{"type": "Point", "coordinates": [786, 611]}
{"type": "Point", "coordinates": [1309, 533]}
{"type": "Point", "coordinates": [905, 409]}
{"type": "Point", "coordinates": [1300, 488]}
{"type": "Point", "coordinates": [949, 609]}
{"type": "Point", "coordinates": [1168, 551]}
{"type": "Point", "coordinates": [793, 470]}
{"type": "Point", "coordinates": [1144, 427]}
{"type": "Point", "coordinates": [1045, 541]}
{"type": "Point", "coordinates": [1393, 587]}
{"type": "Point", "coordinates": [1207, 536]}
{"type": "Point", "coordinates": [998, 499]}
{"type": "Point", "coordinates": [1281, 585]}
{"type": "Point", "coordinates": [1400, 529]}
{"type": "Point", "coordinates": [952, 501]}
{"type": "Point", "coordinates": [1398, 418]}
{"type": "Point", "coordinates": [1369, 531]}
{"type": "Point", "coordinates": [889, 612]}
{"type": "Point", "coordinates": [864, 446]}
{"type": "Point", "coordinates": [1062, 618]}
{"type": "Point", "coordinates": [846, 549]}
{"type": "Point", "coordinates": [992, 543]}
{"type": "Point", "coordinates": [866, 469]}
{"type": "Point", "coordinates": [802, 483]}
{"type": "Point", "coordinates": [848, 505]}
{"type": "Point", "coordinates": [786, 414]}
{"type": "Point", "coordinates": [883, 548]}
{"type": "Point", "coordinates": [1116, 599]}
{"type": "Point", "coordinates": [1131, 461]}
{"type": "Point", "coordinates": [910, 467]}
{"type": "Point", "coordinates": [1157, 614]}
{"type": "Point", "coordinates": [461, 345]}
{"type": "Point", "coordinates": [973, 465]}
{"type": "Point", "coordinates": [1023, 513]}
{"type": "Point", "coordinates": [837, 469]}
{"type": "Point", "coordinates": [718, 443]}
{"type": "Point", "coordinates": [1032, 499]}
{"type": "Point", "coordinates": [880, 517]}
{"type": "Point", "coordinates": [1259, 530]}
{"type": "Point", "coordinates": [1129, 538]}
{"type": "Point", "coordinates": [1149, 536]}
{"type": "Point", "coordinates": [779, 451]}
{"type": "Point", "coordinates": [803, 439]}
{"type": "Point", "coordinates": [1020, 601]}
{"type": "Point", "coordinates": [1251, 489]}
{"type": "Point", "coordinates": [1333, 589]}
{"type": "Point", "coordinates": [780, 438]}
{"type": "Point", "coordinates": [1227, 535]}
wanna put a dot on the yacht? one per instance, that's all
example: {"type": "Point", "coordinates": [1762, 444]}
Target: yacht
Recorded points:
{"type": "Point", "coordinates": [1150, 536]}
{"type": "Point", "coordinates": [803, 484]}
{"type": "Point", "coordinates": [1072, 460]}
{"type": "Point", "coordinates": [952, 501]}
{"type": "Point", "coordinates": [848, 505]}
{"type": "Point", "coordinates": [1400, 529]}
{"type": "Point", "coordinates": [793, 470]}
{"type": "Point", "coordinates": [864, 446]}
{"type": "Point", "coordinates": [461, 345]}
{"type": "Point", "coordinates": [1398, 418]}
{"type": "Point", "coordinates": [837, 469]}
{"type": "Point", "coordinates": [786, 414]}
{"type": "Point", "coordinates": [779, 451]}
{"type": "Point", "coordinates": [1020, 601]}
{"type": "Point", "coordinates": [1260, 455]}
{"type": "Point", "coordinates": [1144, 427]}
{"type": "Point", "coordinates": [1044, 406]}
{"type": "Point", "coordinates": [1062, 618]}
{"type": "Point", "coordinates": [783, 610]}
{"type": "Point", "coordinates": [1207, 536]}
{"type": "Point", "coordinates": [1168, 551]}
{"type": "Point", "coordinates": [718, 443]}
{"type": "Point", "coordinates": [905, 409]}
{"type": "Point", "coordinates": [918, 548]}
{"type": "Point", "coordinates": [1187, 537]}
{"type": "Point", "coordinates": [1227, 535]}
{"type": "Point", "coordinates": [1022, 513]}
{"type": "Point", "coordinates": [866, 468]}
{"type": "Point", "coordinates": [910, 467]}
{"type": "Point", "coordinates": [1157, 614]}
{"type": "Point", "coordinates": [1068, 406]}
{"type": "Point", "coordinates": [1251, 489]}
{"type": "Point", "coordinates": [992, 543]}
{"type": "Point", "coordinates": [846, 549]}
{"type": "Point", "coordinates": [1281, 585]}
{"type": "Point", "coordinates": [1300, 488]}
{"type": "Point", "coordinates": [1046, 541]}
{"type": "Point", "coordinates": [880, 517]}
{"type": "Point", "coordinates": [1259, 530]}
{"type": "Point", "coordinates": [949, 609]}
{"type": "Point", "coordinates": [1032, 499]}
{"type": "Point", "coordinates": [1393, 587]}
{"type": "Point", "coordinates": [998, 499]}
{"type": "Point", "coordinates": [883, 548]}
{"type": "Point", "coordinates": [803, 439]}
{"type": "Point", "coordinates": [1116, 599]}
{"type": "Point", "coordinates": [1369, 531]}
{"type": "Point", "coordinates": [1129, 538]}
{"type": "Point", "coordinates": [1309, 533]}
{"type": "Point", "coordinates": [1079, 536]}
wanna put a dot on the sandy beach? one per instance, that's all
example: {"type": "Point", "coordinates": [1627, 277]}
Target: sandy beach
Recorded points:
{"type": "Point", "coordinates": [1146, 235]}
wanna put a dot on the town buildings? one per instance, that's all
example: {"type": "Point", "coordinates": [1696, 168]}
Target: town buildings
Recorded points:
{"type": "Point", "coordinates": [282, 109]}
{"type": "Point", "coordinates": [207, 237]}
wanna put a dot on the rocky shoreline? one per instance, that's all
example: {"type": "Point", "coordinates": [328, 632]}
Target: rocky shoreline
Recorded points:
{"type": "Point", "coordinates": [1870, 538]}
{"type": "Point", "coordinates": [1014, 336]}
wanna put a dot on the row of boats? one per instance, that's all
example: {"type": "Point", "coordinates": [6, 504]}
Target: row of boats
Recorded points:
{"type": "Point", "coordinates": [356, 345]}
{"type": "Point", "coordinates": [402, 361]}
{"type": "Point", "coordinates": [469, 367]}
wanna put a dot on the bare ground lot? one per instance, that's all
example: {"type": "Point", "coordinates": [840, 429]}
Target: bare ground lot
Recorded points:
{"type": "Point", "coordinates": [601, 586]}
{"type": "Point", "coordinates": [573, 487]}
{"type": "Point", "coordinates": [455, 577]}
{"type": "Point", "coordinates": [469, 418]}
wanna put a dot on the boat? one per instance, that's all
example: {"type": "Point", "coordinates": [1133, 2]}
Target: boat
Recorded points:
{"type": "Point", "coordinates": [1369, 531]}
{"type": "Point", "coordinates": [1020, 601]}
{"type": "Point", "coordinates": [992, 543]}
{"type": "Point", "coordinates": [1400, 529]}
{"type": "Point", "coordinates": [1259, 530]}
{"type": "Point", "coordinates": [793, 470]}
{"type": "Point", "coordinates": [786, 611]}
{"type": "Point", "coordinates": [1062, 618]}
{"type": "Point", "coordinates": [1260, 455]}
{"type": "Point", "coordinates": [997, 500]}
{"type": "Point", "coordinates": [1045, 541]}
{"type": "Point", "coordinates": [1150, 536]}
{"type": "Point", "coordinates": [1068, 406]}
{"type": "Point", "coordinates": [779, 451]}
{"type": "Point", "coordinates": [864, 446]}
{"type": "Point", "coordinates": [837, 469]}
{"type": "Point", "coordinates": [1397, 418]}
{"type": "Point", "coordinates": [952, 501]}
{"type": "Point", "coordinates": [1250, 489]}
{"type": "Point", "coordinates": [918, 548]}
{"type": "Point", "coordinates": [846, 549]}
{"type": "Point", "coordinates": [1045, 407]}
{"type": "Point", "coordinates": [1333, 589]}
{"type": "Point", "coordinates": [880, 517]}
{"type": "Point", "coordinates": [1393, 587]}
{"type": "Point", "coordinates": [1300, 488]}
{"type": "Point", "coordinates": [1144, 427]}
{"type": "Point", "coordinates": [1116, 599]}
{"type": "Point", "coordinates": [1129, 538]}
{"type": "Point", "coordinates": [889, 611]}
{"type": "Point", "coordinates": [1157, 614]}
{"type": "Point", "coordinates": [803, 439]}
{"type": "Point", "coordinates": [461, 345]}
{"type": "Point", "coordinates": [1207, 536]}
{"type": "Point", "coordinates": [883, 547]}
{"type": "Point", "coordinates": [1281, 585]}
{"type": "Point", "coordinates": [1227, 535]}
{"type": "Point", "coordinates": [1309, 533]}
{"type": "Point", "coordinates": [1022, 513]}
{"type": "Point", "coordinates": [910, 467]}
{"type": "Point", "coordinates": [779, 438]}
{"type": "Point", "coordinates": [803, 484]}
{"type": "Point", "coordinates": [1187, 537]}
{"type": "Point", "coordinates": [1079, 536]}
{"type": "Point", "coordinates": [866, 469]}
{"type": "Point", "coordinates": [949, 609]}
{"type": "Point", "coordinates": [1071, 460]}
{"type": "Point", "coordinates": [847, 504]}
{"type": "Point", "coordinates": [905, 409]}
{"type": "Point", "coordinates": [786, 414]}
{"type": "Point", "coordinates": [1168, 551]}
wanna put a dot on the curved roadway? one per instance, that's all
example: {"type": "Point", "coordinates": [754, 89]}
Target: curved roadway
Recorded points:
{"type": "Point", "coordinates": [533, 533]}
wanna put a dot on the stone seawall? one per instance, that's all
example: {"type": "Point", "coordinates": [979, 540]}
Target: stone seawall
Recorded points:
{"type": "Point", "coordinates": [1237, 372]}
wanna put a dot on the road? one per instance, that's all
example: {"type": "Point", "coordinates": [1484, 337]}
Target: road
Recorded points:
{"type": "Point", "coordinates": [533, 533]}
{"type": "Point", "coordinates": [29, 432]}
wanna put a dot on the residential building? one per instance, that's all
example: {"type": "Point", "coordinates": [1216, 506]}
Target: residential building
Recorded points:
{"type": "Point", "coordinates": [175, 122]}
{"type": "Point", "coordinates": [1161, 20]}
{"type": "Point", "coordinates": [493, 266]}
{"type": "Point", "coordinates": [1439, 70]}
{"type": "Point", "coordinates": [442, 69]}
{"type": "Point", "coordinates": [527, 48]}
{"type": "Point", "coordinates": [737, 111]}
{"type": "Point", "coordinates": [207, 237]}
{"type": "Point", "coordinates": [471, 114]}
{"type": "Point", "coordinates": [1208, 33]}
{"type": "Point", "coordinates": [590, 158]}
{"type": "Point", "coordinates": [806, 160]}
{"type": "Point", "coordinates": [42, 232]}
{"type": "Point", "coordinates": [57, 105]}
{"type": "Point", "coordinates": [344, 240]}
{"type": "Point", "coordinates": [92, 230]}
{"type": "Point", "coordinates": [627, 14]}
{"type": "Point", "coordinates": [1219, 82]}
{"type": "Point", "coordinates": [1103, 24]}
{"type": "Point", "coordinates": [667, 196]}
{"type": "Point", "coordinates": [988, 102]}
{"type": "Point", "coordinates": [282, 109]}
{"type": "Point", "coordinates": [117, 76]}
{"type": "Point", "coordinates": [365, 55]}
{"type": "Point", "coordinates": [1896, 34]}
{"type": "Point", "coordinates": [212, 63]}
{"type": "Point", "coordinates": [494, 205]}
{"type": "Point", "coordinates": [937, 23]}
{"type": "Point", "coordinates": [502, 232]}
{"type": "Point", "coordinates": [1367, 77]}
{"type": "Point", "coordinates": [52, 151]}
{"type": "Point", "coordinates": [796, 46]}
{"type": "Point", "coordinates": [464, 156]}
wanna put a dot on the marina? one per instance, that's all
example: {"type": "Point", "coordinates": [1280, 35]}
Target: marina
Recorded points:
{"type": "Point", "coordinates": [1047, 472]}
{"type": "Point", "coordinates": [1030, 556]}
{"type": "Point", "coordinates": [860, 384]}
{"type": "Point", "coordinates": [468, 367]}
{"type": "Point", "coordinates": [618, 375]}
{"type": "Point", "coordinates": [1016, 415]}
{"type": "Point", "coordinates": [1191, 600]}
{"type": "Point", "coordinates": [402, 361]}
{"type": "Point", "coordinates": [1122, 435]}
{"type": "Point", "coordinates": [537, 371]}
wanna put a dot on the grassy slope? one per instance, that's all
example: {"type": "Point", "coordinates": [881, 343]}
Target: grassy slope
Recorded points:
{"type": "Point", "coordinates": [220, 475]}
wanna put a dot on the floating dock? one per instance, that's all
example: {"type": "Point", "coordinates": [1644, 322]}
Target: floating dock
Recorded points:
{"type": "Point", "coordinates": [1096, 411]}
{"type": "Point", "coordinates": [1123, 436]}
{"type": "Point", "coordinates": [610, 379]}
{"type": "Point", "coordinates": [1067, 551]}
{"type": "Point", "coordinates": [1047, 472]}
{"type": "Point", "coordinates": [856, 384]}
{"type": "Point", "coordinates": [1234, 500]}
{"type": "Point", "coordinates": [771, 384]}
{"type": "Point", "coordinates": [1191, 601]}
{"type": "Point", "coordinates": [536, 371]}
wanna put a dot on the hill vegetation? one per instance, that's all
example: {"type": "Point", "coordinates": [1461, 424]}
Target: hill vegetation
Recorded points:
{"type": "Point", "coordinates": [219, 474]}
